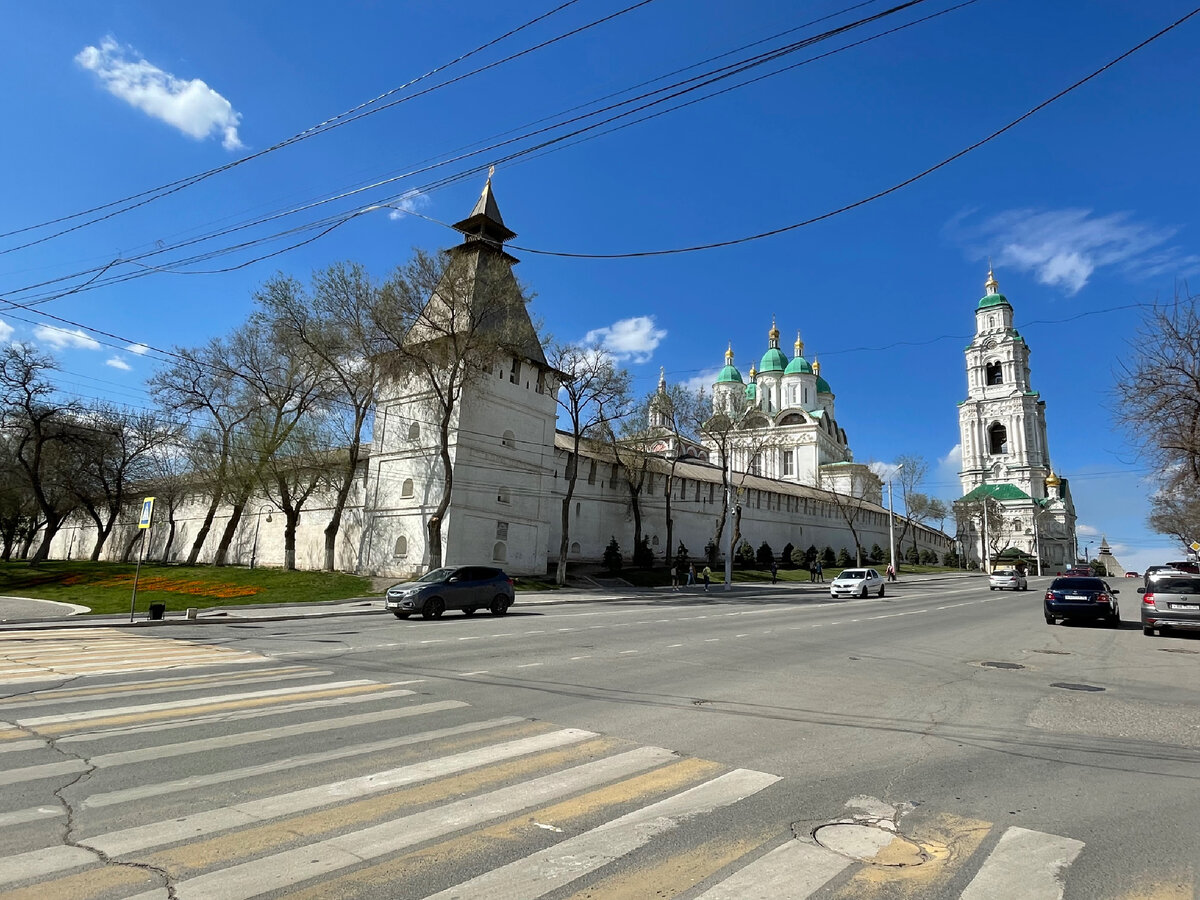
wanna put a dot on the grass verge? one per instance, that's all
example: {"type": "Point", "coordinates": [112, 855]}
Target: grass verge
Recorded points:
{"type": "Point", "coordinates": [108, 587]}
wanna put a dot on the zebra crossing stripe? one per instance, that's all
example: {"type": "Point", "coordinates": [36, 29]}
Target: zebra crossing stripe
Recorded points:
{"type": "Point", "coordinates": [161, 788]}
{"type": "Point", "coordinates": [1026, 864]}
{"type": "Point", "coordinates": [254, 812]}
{"type": "Point", "coordinates": [294, 866]}
{"type": "Point", "coordinates": [793, 871]}
{"type": "Point", "coordinates": [161, 686]}
{"type": "Point", "coordinates": [547, 870]}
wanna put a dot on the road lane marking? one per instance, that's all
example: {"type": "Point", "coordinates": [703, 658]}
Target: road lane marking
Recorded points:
{"type": "Point", "coordinates": [792, 871]}
{"type": "Point", "coordinates": [547, 870]}
{"type": "Point", "coordinates": [1026, 864]}
{"type": "Point", "coordinates": [300, 864]}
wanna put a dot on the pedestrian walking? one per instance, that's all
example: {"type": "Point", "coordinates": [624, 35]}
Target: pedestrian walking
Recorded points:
{"type": "Point", "coordinates": [812, 572]}
{"type": "Point", "coordinates": [820, 573]}
{"type": "Point", "coordinates": [674, 576]}
{"type": "Point", "coordinates": [707, 573]}
{"type": "Point", "coordinates": [691, 574]}
{"type": "Point", "coordinates": [774, 569]}
{"type": "Point", "coordinates": [891, 572]}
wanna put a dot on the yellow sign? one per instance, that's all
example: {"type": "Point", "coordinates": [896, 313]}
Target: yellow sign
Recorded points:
{"type": "Point", "coordinates": [1196, 546]}
{"type": "Point", "coordinates": [147, 512]}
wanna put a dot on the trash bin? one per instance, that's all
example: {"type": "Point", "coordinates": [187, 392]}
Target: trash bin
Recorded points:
{"type": "Point", "coordinates": [157, 610]}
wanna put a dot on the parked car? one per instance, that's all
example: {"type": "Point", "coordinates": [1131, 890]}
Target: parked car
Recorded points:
{"type": "Point", "coordinates": [1007, 579]}
{"type": "Point", "coordinates": [1171, 601]}
{"type": "Point", "coordinates": [1076, 597]}
{"type": "Point", "coordinates": [453, 587]}
{"type": "Point", "coordinates": [856, 583]}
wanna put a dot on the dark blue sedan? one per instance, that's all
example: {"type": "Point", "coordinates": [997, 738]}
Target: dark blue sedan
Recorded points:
{"type": "Point", "coordinates": [1078, 597]}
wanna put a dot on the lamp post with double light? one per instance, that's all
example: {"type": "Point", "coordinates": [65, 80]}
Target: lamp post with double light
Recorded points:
{"type": "Point", "coordinates": [257, 523]}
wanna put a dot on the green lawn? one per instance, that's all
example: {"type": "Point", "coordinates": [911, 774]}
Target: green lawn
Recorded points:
{"type": "Point", "coordinates": [108, 587]}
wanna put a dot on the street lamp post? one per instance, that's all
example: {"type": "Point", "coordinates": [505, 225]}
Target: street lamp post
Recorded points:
{"type": "Point", "coordinates": [730, 493]}
{"type": "Point", "coordinates": [892, 521]}
{"type": "Point", "coordinates": [1087, 554]}
{"type": "Point", "coordinates": [986, 555]}
{"type": "Point", "coordinates": [257, 523]}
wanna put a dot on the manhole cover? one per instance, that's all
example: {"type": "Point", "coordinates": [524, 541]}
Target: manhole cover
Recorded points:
{"type": "Point", "coordinates": [870, 844]}
{"type": "Point", "coordinates": [1068, 686]}
{"type": "Point", "coordinates": [1055, 652]}
{"type": "Point", "coordinates": [1002, 665]}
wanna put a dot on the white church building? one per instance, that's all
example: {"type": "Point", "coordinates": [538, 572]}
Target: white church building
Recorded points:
{"type": "Point", "coordinates": [1006, 452]}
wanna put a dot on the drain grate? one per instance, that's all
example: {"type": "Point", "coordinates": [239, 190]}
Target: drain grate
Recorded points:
{"type": "Point", "coordinates": [1068, 686]}
{"type": "Point", "coordinates": [1002, 665]}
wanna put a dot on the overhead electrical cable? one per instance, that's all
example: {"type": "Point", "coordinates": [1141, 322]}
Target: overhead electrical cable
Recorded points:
{"type": "Point", "coordinates": [344, 118]}
{"type": "Point", "coordinates": [680, 88]}
{"type": "Point", "coordinates": [879, 194]}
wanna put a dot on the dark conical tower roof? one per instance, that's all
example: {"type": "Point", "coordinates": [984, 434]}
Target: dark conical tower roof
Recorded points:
{"type": "Point", "coordinates": [485, 222]}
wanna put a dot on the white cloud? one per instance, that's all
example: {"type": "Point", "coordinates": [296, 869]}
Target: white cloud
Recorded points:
{"type": "Point", "coordinates": [408, 202]}
{"type": "Point", "coordinates": [1064, 248]}
{"type": "Point", "coordinates": [190, 106]}
{"type": "Point", "coordinates": [1085, 531]}
{"type": "Point", "coordinates": [884, 470]}
{"type": "Point", "coordinates": [60, 338]}
{"type": "Point", "coordinates": [703, 381]}
{"type": "Point", "coordinates": [6, 332]}
{"type": "Point", "coordinates": [953, 458]}
{"type": "Point", "coordinates": [633, 339]}
{"type": "Point", "coordinates": [117, 363]}
{"type": "Point", "coordinates": [139, 349]}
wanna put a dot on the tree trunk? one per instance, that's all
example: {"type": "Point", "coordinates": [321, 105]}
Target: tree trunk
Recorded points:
{"type": "Point", "coordinates": [339, 505]}
{"type": "Point", "coordinates": [166, 554]}
{"type": "Point", "coordinates": [202, 534]}
{"type": "Point", "coordinates": [53, 523]}
{"type": "Point", "coordinates": [128, 551]}
{"type": "Point", "coordinates": [291, 518]}
{"type": "Point", "coordinates": [231, 527]}
{"type": "Point", "coordinates": [560, 574]}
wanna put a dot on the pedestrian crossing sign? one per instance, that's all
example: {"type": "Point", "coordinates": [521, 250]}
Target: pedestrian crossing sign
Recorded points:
{"type": "Point", "coordinates": [147, 512]}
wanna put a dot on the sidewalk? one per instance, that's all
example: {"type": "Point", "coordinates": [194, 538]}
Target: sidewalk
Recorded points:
{"type": "Point", "coordinates": [17, 613]}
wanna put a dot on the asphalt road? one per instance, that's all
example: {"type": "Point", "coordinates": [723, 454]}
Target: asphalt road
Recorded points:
{"type": "Point", "coordinates": [941, 742]}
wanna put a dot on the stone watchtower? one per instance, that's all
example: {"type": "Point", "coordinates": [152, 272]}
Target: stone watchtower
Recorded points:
{"type": "Point", "coordinates": [501, 434]}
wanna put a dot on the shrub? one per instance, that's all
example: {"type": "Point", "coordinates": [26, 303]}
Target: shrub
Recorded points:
{"type": "Point", "coordinates": [681, 556]}
{"type": "Point", "coordinates": [843, 558]}
{"type": "Point", "coordinates": [972, 565]}
{"type": "Point", "coordinates": [911, 556]}
{"type": "Point", "coordinates": [786, 556]}
{"type": "Point", "coordinates": [876, 554]}
{"type": "Point", "coordinates": [800, 559]}
{"type": "Point", "coordinates": [950, 559]}
{"type": "Point", "coordinates": [643, 556]}
{"type": "Point", "coordinates": [710, 552]}
{"type": "Point", "coordinates": [744, 556]}
{"type": "Point", "coordinates": [810, 556]}
{"type": "Point", "coordinates": [765, 555]}
{"type": "Point", "coordinates": [827, 557]}
{"type": "Point", "coordinates": [612, 556]}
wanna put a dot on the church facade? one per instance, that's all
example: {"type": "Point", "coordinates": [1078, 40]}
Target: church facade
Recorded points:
{"type": "Point", "coordinates": [1013, 507]}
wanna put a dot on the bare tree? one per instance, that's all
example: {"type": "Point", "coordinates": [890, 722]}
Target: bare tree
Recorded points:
{"type": "Point", "coordinates": [279, 386]}
{"type": "Point", "coordinates": [337, 325]}
{"type": "Point", "coordinates": [746, 434]}
{"type": "Point", "coordinates": [1159, 389]}
{"type": "Point", "coordinates": [677, 412]}
{"type": "Point", "coordinates": [114, 450]}
{"type": "Point", "coordinates": [850, 508]}
{"type": "Point", "coordinates": [200, 383]}
{"type": "Point", "coordinates": [592, 394]}
{"type": "Point", "coordinates": [168, 478]}
{"type": "Point", "coordinates": [970, 513]}
{"type": "Point", "coordinates": [41, 429]}
{"type": "Point", "coordinates": [450, 320]}
{"type": "Point", "coordinates": [1175, 509]}
{"type": "Point", "coordinates": [912, 473]}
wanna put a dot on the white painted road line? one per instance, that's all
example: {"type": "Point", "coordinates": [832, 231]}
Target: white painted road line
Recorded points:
{"type": "Point", "coordinates": [1026, 864]}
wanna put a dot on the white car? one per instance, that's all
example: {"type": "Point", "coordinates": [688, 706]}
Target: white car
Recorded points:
{"type": "Point", "coordinates": [1007, 579]}
{"type": "Point", "coordinates": [856, 583]}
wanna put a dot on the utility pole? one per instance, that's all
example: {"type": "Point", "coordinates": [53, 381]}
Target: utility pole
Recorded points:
{"type": "Point", "coordinates": [892, 521]}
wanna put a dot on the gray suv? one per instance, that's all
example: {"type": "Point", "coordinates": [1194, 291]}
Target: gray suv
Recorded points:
{"type": "Point", "coordinates": [1170, 600]}
{"type": "Point", "coordinates": [453, 587]}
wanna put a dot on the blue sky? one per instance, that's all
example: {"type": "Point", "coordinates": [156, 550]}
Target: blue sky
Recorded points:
{"type": "Point", "coordinates": [1085, 209]}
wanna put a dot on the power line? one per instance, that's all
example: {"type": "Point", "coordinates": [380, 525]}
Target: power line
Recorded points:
{"type": "Point", "coordinates": [687, 86]}
{"type": "Point", "coordinates": [879, 194]}
{"type": "Point", "coordinates": [342, 118]}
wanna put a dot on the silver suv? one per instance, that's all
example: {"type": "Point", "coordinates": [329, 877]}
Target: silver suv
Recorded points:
{"type": "Point", "coordinates": [1170, 600]}
{"type": "Point", "coordinates": [452, 587]}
